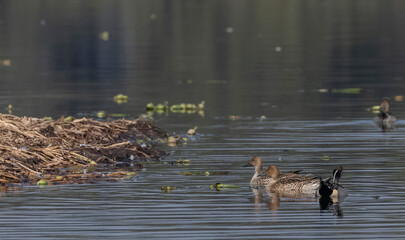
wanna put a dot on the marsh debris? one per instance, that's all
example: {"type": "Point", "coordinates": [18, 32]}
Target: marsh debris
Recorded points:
{"type": "Point", "coordinates": [32, 149]}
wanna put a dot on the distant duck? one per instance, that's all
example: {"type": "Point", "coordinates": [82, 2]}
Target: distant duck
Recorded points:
{"type": "Point", "coordinates": [258, 180]}
{"type": "Point", "coordinates": [384, 118]}
{"type": "Point", "coordinates": [334, 189]}
{"type": "Point", "coordinates": [292, 184]}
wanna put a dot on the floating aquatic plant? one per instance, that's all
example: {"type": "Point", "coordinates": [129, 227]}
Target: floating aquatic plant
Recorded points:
{"type": "Point", "coordinates": [220, 186]}
{"type": "Point", "coordinates": [196, 173]}
{"type": "Point", "coordinates": [176, 108]}
{"type": "Point", "coordinates": [120, 98]}
{"type": "Point", "coordinates": [375, 109]}
{"type": "Point", "coordinates": [121, 174]}
{"type": "Point", "coordinates": [176, 140]}
{"type": "Point", "coordinates": [42, 182]}
{"type": "Point", "coordinates": [183, 162]}
{"type": "Point", "coordinates": [105, 36]}
{"type": "Point", "coordinates": [10, 109]}
{"type": "Point", "coordinates": [101, 114]}
{"type": "Point", "coordinates": [347, 90]}
{"type": "Point", "coordinates": [150, 107]}
{"type": "Point", "coordinates": [167, 189]}
{"type": "Point", "coordinates": [68, 119]}
{"type": "Point", "coordinates": [160, 107]}
{"type": "Point", "coordinates": [191, 106]}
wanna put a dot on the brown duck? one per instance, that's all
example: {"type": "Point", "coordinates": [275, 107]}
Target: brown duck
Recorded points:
{"type": "Point", "coordinates": [292, 183]}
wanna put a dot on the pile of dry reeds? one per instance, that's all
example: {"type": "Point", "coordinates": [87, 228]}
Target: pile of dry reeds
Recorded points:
{"type": "Point", "coordinates": [33, 148]}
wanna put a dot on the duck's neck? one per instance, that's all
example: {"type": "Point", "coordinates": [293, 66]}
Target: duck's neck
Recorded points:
{"type": "Point", "coordinates": [275, 175]}
{"type": "Point", "coordinates": [336, 175]}
{"type": "Point", "coordinates": [258, 169]}
{"type": "Point", "coordinates": [385, 106]}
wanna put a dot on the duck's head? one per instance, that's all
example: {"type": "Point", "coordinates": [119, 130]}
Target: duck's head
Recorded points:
{"type": "Point", "coordinates": [273, 172]}
{"type": "Point", "coordinates": [385, 105]}
{"type": "Point", "coordinates": [255, 162]}
{"type": "Point", "coordinates": [337, 173]}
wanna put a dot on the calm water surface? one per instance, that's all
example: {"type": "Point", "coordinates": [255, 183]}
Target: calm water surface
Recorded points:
{"type": "Point", "coordinates": [245, 59]}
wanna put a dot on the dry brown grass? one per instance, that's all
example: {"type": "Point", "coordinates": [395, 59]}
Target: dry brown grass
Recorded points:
{"type": "Point", "coordinates": [33, 148]}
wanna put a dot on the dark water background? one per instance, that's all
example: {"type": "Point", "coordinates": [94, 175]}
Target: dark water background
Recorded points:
{"type": "Point", "coordinates": [243, 58]}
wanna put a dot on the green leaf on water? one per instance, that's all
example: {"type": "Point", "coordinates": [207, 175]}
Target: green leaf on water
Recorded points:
{"type": "Point", "coordinates": [347, 90]}
{"type": "Point", "coordinates": [101, 114]}
{"type": "Point", "coordinates": [42, 182]}
{"type": "Point", "coordinates": [120, 98]}
{"type": "Point", "coordinates": [375, 109]}
{"type": "Point", "coordinates": [150, 107]}
{"type": "Point", "coordinates": [221, 186]}
{"type": "Point", "coordinates": [167, 189]}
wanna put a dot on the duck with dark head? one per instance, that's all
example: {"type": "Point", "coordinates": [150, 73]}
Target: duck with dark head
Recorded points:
{"type": "Point", "coordinates": [333, 189]}
{"type": "Point", "coordinates": [384, 119]}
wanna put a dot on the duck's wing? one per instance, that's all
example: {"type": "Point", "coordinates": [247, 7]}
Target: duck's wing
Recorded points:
{"type": "Point", "coordinates": [291, 174]}
{"type": "Point", "coordinates": [295, 183]}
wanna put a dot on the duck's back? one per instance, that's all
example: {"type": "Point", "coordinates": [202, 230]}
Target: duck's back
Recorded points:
{"type": "Point", "coordinates": [299, 184]}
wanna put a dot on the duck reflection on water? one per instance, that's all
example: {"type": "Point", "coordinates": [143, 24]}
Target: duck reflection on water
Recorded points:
{"type": "Point", "coordinates": [273, 201]}
{"type": "Point", "coordinates": [331, 204]}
